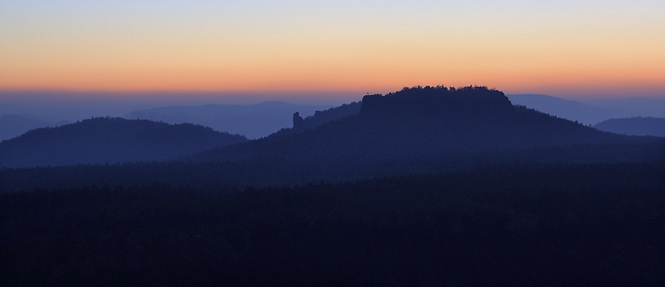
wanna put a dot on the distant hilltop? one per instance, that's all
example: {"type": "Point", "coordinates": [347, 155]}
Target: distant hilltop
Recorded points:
{"type": "Point", "coordinates": [637, 126]}
{"type": "Point", "coordinates": [109, 140]}
{"type": "Point", "coordinates": [440, 100]}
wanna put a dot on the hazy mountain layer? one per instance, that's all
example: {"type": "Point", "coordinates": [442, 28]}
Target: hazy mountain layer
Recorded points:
{"type": "Point", "coordinates": [253, 121]}
{"type": "Point", "coordinates": [632, 107]}
{"type": "Point", "coordinates": [260, 120]}
{"type": "Point", "coordinates": [593, 111]}
{"type": "Point", "coordinates": [109, 140]}
{"type": "Point", "coordinates": [571, 110]}
{"type": "Point", "coordinates": [634, 126]}
{"type": "Point", "coordinates": [12, 126]}
{"type": "Point", "coordinates": [413, 131]}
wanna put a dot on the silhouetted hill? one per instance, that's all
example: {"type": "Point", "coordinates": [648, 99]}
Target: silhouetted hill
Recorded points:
{"type": "Point", "coordinates": [109, 140]}
{"type": "Point", "coordinates": [638, 126]}
{"type": "Point", "coordinates": [571, 110]}
{"type": "Point", "coordinates": [422, 122]}
{"type": "Point", "coordinates": [253, 121]}
{"type": "Point", "coordinates": [12, 126]}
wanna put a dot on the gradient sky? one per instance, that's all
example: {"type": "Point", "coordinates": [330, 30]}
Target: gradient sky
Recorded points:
{"type": "Point", "coordinates": [562, 48]}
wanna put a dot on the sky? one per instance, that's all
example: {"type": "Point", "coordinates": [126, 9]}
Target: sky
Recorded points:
{"type": "Point", "coordinates": [579, 49]}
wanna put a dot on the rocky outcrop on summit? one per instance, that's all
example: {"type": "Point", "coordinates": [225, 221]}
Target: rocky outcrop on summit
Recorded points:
{"type": "Point", "coordinates": [301, 124]}
{"type": "Point", "coordinates": [438, 101]}
{"type": "Point", "coordinates": [298, 122]}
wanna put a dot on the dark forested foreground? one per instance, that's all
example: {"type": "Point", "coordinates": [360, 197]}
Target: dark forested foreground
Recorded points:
{"type": "Point", "coordinates": [511, 225]}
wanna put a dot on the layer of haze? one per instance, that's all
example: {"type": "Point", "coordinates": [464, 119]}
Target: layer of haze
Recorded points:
{"type": "Point", "coordinates": [572, 49]}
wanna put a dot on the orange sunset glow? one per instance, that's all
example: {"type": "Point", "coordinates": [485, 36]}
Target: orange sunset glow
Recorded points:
{"type": "Point", "coordinates": [565, 49]}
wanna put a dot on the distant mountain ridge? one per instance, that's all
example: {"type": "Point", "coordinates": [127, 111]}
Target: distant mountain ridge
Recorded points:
{"type": "Point", "coordinates": [572, 110]}
{"type": "Point", "coordinates": [637, 126]}
{"type": "Point", "coordinates": [109, 140]}
{"type": "Point", "coordinates": [252, 121]}
{"type": "Point", "coordinates": [632, 107]}
{"type": "Point", "coordinates": [260, 120]}
{"type": "Point", "coordinates": [420, 130]}
{"type": "Point", "coordinates": [14, 125]}
{"type": "Point", "coordinates": [591, 112]}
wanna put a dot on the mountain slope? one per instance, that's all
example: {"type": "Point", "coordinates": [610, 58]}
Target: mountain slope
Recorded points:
{"type": "Point", "coordinates": [109, 140]}
{"type": "Point", "coordinates": [320, 118]}
{"type": "Point", "coordinates": [571, 110]}
{"type": "Point", "coordinates": [638, 126]}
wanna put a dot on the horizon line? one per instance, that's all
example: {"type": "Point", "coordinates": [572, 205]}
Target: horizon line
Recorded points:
{"type": "Point", "coordinates": [328, 94]}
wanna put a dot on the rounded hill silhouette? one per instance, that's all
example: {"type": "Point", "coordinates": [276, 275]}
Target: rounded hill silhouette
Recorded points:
{"type": "Point", "coordinates": [109, 140]}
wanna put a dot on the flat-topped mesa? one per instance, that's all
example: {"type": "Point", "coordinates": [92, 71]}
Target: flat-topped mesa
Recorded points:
{"type": "Point", "coordinates": [472, 101]}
